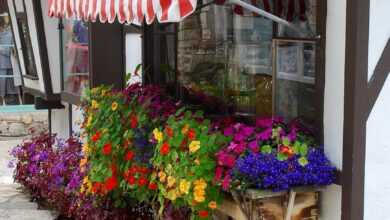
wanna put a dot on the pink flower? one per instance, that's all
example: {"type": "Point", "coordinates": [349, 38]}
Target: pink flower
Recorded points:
{"type": "Point", "coordinates": [226, 182]}
{"type": "Point", "coordinates": [237, 148]}
{"type": "Point", "coordinates": [218, 174]}
{"type": "Point", "coordinates": [265, 135]}
{"type": "Point", "coordinates": [228, 131]}
{"type": "Point", "coordinates": [226, 159]}
{"type": "Point", "coordinates": [253, 146]}
{"type": "Point", "coordinates": [246, 130]}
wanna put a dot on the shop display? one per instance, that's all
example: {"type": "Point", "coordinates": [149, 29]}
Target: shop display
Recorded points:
{"type": "Point", "coordinates": [75, 56]}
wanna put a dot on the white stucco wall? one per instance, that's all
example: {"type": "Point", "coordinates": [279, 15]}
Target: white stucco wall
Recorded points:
{"type": "Point", "coordinates": [60, 122]}
{"type": "Point", "coordinates": [334, 102]}
{"type": "Point", "coordinates": [377, 180]}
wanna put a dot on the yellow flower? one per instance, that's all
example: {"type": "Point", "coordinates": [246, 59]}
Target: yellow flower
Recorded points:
{"type": "Point", "coordinates": [171, 181]}
{"type": "Point", "coordinates": [194, 146]}
{"type": "Point", "coordinates": [197, 162]}
{"type": "Point", "coordinates": [86, 186]}
{"type": "Point", "coordinates": [85, 148]}
{"type": "Point", "coordinates": [104, 92]}
{"type": "Point", "coordinates": [199, 196]}
{"type": "Point", "coordinates": [114, 106]}
{"type": "Point", "coordinates": [158, 135]}
{"type": "Point", "coordinates": [212, 205]}
{"type": "Point", "coordinates": [172, 195]}
{"type": "Point", "coordinates": [89, 121]}
{"type": "Point", "coordinates": [184, 186]}
{"type": "Point", "coordinates": [184, 130]}
{"type": "Point", "coordinates": [200, 184]}
{"type": "Point", "coordinates": [162, 176]}
{"type": "Point", "coordinates": [95, 104]}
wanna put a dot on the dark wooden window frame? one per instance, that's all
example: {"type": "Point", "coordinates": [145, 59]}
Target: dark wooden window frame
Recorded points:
{"type": "Point", "coordinates": [101, 72]}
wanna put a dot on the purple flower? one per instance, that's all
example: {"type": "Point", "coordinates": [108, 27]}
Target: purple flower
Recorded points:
{"type": "Point", "coordinates": [228, 131]}
{"type": "Point", "coordinates": [253, 146]}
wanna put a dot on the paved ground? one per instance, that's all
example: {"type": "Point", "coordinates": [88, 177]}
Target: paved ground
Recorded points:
{"type": "Point", "coordinates": [14, 204]}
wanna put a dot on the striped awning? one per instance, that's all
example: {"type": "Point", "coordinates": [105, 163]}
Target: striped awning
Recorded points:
{"type": "Point", "coordinates": [129, 11]}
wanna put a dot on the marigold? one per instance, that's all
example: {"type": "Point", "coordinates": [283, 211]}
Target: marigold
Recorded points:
{"type": "Point", "coordinates": [107, 148]}
{"type": "Point", "coordinates": [114, 106]}
{"type": "Point", "coordinates": [184, 186]}
{"type": "Point", "coordinates": [158, 135]}
{"type": "Point", "coordinates": [199, 196]}
{"type": "Point", "coordinates": [94, 104]}
{"type": "Point", "coordinates": [83, 162]}
{"type": "Point", "coordinates": [194, 146]}
{"type": "Point", "coordinates": [171, 181]}
{"type": "Point", "coordinates": [164, 150]}
{"type": "Point", "coordinates": [85, 148]}
{"type": "Point", "coordinates": [203, 214]}
{"type": "Point", "coordinates": [212, 205]}
{"type": "Point", "coordinates": [172, 195]}
{"type": "Point", "coordinates": [162, 176]}
{"type": "Point", "coordinates": [200, 184]}
{"type": "Point", "coordinates": [184, 130]}
{"type": "Point", "coordinates": [169, 131]}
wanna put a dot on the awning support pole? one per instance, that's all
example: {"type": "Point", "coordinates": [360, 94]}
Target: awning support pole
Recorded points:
{"type": "Point", "coordinates": [265, 14]}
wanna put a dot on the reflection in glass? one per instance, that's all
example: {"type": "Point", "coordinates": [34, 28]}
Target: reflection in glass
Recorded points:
{"type": "Point", "coordinates": [27, 49]}
{"type": "Point", "coordinates": [75, 56]}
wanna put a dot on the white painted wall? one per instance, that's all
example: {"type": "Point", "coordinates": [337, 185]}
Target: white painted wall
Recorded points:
{"type": "Point", "coordinates": [133, 55]}
{"type": "Point", "coordinates": [377, 180]}
{"type": "Point", "coordinates": [334, 102]}
{"type": "Point", "coordinates": [60, 122]}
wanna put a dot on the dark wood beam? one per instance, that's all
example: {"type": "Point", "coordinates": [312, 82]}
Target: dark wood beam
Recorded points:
{"type": "Point", "coordinates": [378, 78]}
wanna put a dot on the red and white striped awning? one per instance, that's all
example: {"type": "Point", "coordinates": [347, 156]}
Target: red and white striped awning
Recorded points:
{"type": "Point", "coordinates": [130, 11]}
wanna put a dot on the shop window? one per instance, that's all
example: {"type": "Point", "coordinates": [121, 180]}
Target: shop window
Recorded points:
{"type": "Point", "coordinates": [231, 61]}
{"type": "Point", "coordinates": [28, 54]}
{"type": "Point", "coordinates": [75, 57]}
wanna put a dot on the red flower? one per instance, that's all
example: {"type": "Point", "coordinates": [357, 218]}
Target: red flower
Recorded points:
{"type": "Point", "coordinates": [129, 156]}
{"type": "Point", "coordinates": [203, 214]}
{"type": "Point", "coordinates": [142, 181]}
{"type": "Point", "coordinates": [111, 183]}
{"type": "Point", "coordinates": [131, 180]}
{"type": "Point", "coordinates": [96, 188]}
{"type": "Point", "coordinates": [152, 186]}
{"type": "Point", "coordinates": [169, 131]}
{"type": "Point", "coordinates": [107, 148]}
{"type": "Point", "coordinates": [143, 170]}
{"type": "Point", "coordinates": [191, 134]}
{"type": "Point", "coordinates": [114, 169]}
{"type": "Point", "coordinates": [133, 169]}
{"type": "Point", "coordinates": [164, 150]}
{"type": "Point", "coordinates": [133, 121]}
{"type": "Point", "coordinates": [96, 136]}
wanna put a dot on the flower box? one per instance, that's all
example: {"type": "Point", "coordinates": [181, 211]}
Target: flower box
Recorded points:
{"type": "Point", "coordinates": [296, 204]}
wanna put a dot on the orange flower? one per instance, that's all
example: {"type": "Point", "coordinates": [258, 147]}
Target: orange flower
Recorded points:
{"type": "Point", "coordinates": [212, 205]}
{"type": "Point", "coordinates": [164, 150]}
{"type": "Point", "coordinates": [107, 148]}
{"type": "Point", "coordinates": [203, 214]}
{"type": "Point", "coordinates": [114, 106]}
{"type": "Point", "coordinates": [169, 131]}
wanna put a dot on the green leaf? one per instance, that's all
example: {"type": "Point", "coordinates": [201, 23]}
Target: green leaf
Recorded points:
{"type": "Point", "coordinates": [282, 157]}
{"type": "Point", "coordinates": [178, 112]}
{"type": "Point", "coordinates": [303, 161]}
{"type": "Point", "coordinates": [266, 149]}
{"type": "Point", "coordinates": [286, 141]}
{"type": "Point", "coordinates": [303, 150]}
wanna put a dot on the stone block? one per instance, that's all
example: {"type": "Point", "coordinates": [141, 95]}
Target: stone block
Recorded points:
{"type": "Point", "coordinates": [16, 129]}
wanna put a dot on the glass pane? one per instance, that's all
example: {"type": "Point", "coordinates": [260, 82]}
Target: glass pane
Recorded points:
{"type": "Point", "coordinates": [224, 60]}
{"type": "Point", "coordinates": [303, 14]}
{"type": "Point", "coordinates": [295, 80]}
{"type": "Point", "coordinates": [27, 47]}
{"type": "Point", "coordinates": [75, 56]}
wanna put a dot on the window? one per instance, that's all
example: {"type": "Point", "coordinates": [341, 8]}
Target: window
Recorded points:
{"type": "Point", "coordinates": [231, 61]}
{"type": "Point", "coordinates": [27, 49]}
{"type": "Point", "coordinates": [75, 56]}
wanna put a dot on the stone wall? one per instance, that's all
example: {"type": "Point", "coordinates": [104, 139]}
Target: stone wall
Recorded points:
{"type": "Point", "coordinates": [23, 123]}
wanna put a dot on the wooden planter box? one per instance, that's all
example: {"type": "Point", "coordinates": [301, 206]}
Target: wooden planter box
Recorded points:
{"type": "Point", "coordinates": [296, 204]}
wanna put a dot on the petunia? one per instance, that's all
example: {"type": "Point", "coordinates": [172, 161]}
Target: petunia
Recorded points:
{"type": "Point", "coordinates": [253, 146]}
{"type": "Point", "coordinates": [226, 182]}
{"type": "Point", "coordinates": [218, 174]}
{"type": "Point", "coordinates": [129, 156]}
{"type": "Point", "coordinates": [194, 146]}
{"type": "Point", "coordinates": [228, 131]}
{"type": "Point", "coordinates": [265, 135]}
{"type": "Point", "coordinates": [203, 214]}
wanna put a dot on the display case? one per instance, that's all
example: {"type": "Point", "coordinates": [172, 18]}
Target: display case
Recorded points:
{"type": "Point", "coordinates": [33, 34]}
